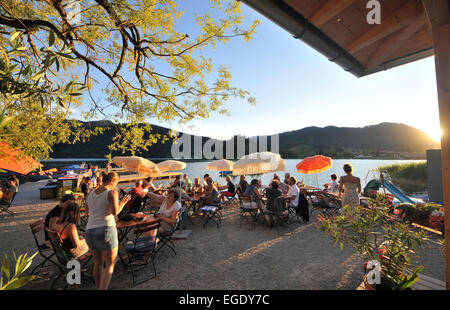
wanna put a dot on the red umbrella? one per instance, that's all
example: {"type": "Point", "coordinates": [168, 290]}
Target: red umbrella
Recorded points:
{"type": "Point", "coordinates": [11, 159]}
{"type": "Point", "coordinates": [314, 164]}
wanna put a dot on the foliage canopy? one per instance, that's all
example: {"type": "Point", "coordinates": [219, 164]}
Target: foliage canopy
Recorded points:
{"type": "Point", "coordinates": [55, 53]}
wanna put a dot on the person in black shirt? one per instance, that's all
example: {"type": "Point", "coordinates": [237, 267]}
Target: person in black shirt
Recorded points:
{"type": "Point", "coordinates": [272, 193]}
{"type": "Point", "coordinates": [85, 186]}
{"type": "Point", "coordinates": [243, 184]}
{"type": "Point", "coordinates": [230, 192]}
{"type": "Point", "coordinates": [55, 213]}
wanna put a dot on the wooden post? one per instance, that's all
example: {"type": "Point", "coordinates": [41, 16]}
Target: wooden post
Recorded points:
{"type": "Point", "coordinates": [438, 14]}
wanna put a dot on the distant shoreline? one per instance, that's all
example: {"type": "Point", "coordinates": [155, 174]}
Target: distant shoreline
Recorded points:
{"type": "Point", "coordinates": [197, 160]}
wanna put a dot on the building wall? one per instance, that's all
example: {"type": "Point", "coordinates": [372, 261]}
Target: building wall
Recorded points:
{"type": "Point", "coordinates": [434, 172]}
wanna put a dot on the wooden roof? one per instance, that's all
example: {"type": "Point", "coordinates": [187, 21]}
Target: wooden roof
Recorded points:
{"type": "Point", "coordinates": [339, 30]}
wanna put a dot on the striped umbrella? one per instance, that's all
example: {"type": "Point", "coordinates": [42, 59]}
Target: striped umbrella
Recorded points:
{"type": "Point", "coordinates": [314, 164]}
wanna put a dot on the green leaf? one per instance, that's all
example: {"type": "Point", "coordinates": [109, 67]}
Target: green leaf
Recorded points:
{"type": "Point", "coordinates": [5, 267]}
{"type": "Point", "coordinates": [37, 76]}
{"type": "Point", "coordinates": [18, 282]}
{"type": "Point", "coordinates": [14, 35]}
{"type": "Point", "coordinates": [51, 38]}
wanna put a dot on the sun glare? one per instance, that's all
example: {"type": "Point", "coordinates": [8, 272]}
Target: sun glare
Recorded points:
{"type": "Point", "coordinates": [435, 134]}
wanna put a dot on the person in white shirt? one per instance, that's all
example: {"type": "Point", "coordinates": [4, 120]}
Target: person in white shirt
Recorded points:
{"type": "Point", "coordinates": [293, 192]}
{"type": "Point", "coordinates": [334, 185]}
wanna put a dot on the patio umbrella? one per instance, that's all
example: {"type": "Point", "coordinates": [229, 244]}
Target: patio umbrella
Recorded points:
{"type": "Point", "coordinates": [314, 164]}
{"type": "Point", "coordinates": [13, 160]}
{"type": "Point", "coordinates": [220, 165]}
{"type": "Point", "coordinates": [170, 165]}
{"type": "Point", "coordinates": [259, 163]}
{"type": "Point", "coordinates": [137, 164]}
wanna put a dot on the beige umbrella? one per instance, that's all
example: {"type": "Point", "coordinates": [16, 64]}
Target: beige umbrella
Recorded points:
{"type": "Point", "coordinates": [137, 164]}
{"type": "Point", "coordinates": [170, 165]}
{"type": "Point", "coordinates": [220, 165]}
{"type": "Point", "coordinates": [259, 163]}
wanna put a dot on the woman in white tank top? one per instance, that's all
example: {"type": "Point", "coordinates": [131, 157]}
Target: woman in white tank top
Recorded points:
{"type": "Point", "coordinates": [102, 206]}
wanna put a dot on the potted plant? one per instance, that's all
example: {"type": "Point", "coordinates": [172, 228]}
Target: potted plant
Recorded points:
{"type": "Point", "coordinates": [372, 231]}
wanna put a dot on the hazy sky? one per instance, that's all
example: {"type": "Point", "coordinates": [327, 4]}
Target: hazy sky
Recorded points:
{"type": "Point", "coordinates": [296, 87]}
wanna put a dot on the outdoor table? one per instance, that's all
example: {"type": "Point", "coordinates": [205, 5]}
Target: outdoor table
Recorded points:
{"type": "Point", "coordinates": [191, 201]}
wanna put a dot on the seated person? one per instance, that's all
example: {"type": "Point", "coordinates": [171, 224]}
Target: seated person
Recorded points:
{"type": "Point", "coordinates": [210, 194]}
{"type": "Point", "coordinates": [272, 192]}
{"type": "Point", "coordinates": [137, 195]}
{"type": "Point", "coordinates": [168, 211]}
{"type": "Point", "coordinates": [205, 178]}
{"type": "Point", "coordinates": [6, 194]}
{"type": "Point", "coordinates": [15, 179]}
{"type": "Point", "coordinates": [293, 192]}
{"type": "Point", "coordinates": [71, 242]}
{"type": "Point", "coordinates": [53, 216]}
{"type": "Point", "coordinates": [181, 193]}
{"type": "Point", "coordinates": [151, 187]}
{"type": "Point", "coordinates": [230, 189]}
{"type": "Point", "coordinates": [254, 192]}
{"type": "Point", "coordinates": [197, 186]}
{"type": "Point", "coordinates": [186, 184]}
{"type": "Point", "coordinates": [287, 176]}
{"type": "Point", "coordinates": [333, 186]}
{"type": "Point", "coordinates": [176, 182]}
{"type": "Point", "coordinates": [283, 187]}
{"type": "Point", "coordinates": [243, 184]}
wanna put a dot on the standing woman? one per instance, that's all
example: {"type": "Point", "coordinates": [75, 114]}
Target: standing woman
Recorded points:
{"type": "Point", "coordinates": [101, 233]}
{"type": "Point", "coordinates": [351, 186]}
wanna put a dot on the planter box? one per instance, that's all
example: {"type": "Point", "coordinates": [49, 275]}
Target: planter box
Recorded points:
{"type": "Point", "coordinates": [48, 192]}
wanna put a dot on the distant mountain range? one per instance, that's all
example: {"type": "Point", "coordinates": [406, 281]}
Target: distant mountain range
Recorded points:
{"type": "Point", "coordinates": [385, 140]}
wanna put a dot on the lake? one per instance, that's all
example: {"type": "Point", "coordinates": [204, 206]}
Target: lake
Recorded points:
{"type": "Point", "coordinates": [362, 168]}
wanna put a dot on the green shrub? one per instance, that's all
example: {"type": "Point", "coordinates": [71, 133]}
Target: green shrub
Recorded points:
{"type": "Point", "coordinates": [410, 177]}
{"type": "Point", "coordinates": [418, 213]}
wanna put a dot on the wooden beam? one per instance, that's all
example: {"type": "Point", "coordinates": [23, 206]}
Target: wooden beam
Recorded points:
{"type": "Point", "coordinates": [438, 14]}
{"type": "Point", "coordinates": [395, 41]}
{"type": "Point", "coordinates": [329, 10]}
{"type": "Point", "coordinates": [397, 20]}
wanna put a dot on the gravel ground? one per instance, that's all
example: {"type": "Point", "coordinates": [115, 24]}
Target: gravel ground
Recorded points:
{"type": "Point", "coordinates": [253, 257]}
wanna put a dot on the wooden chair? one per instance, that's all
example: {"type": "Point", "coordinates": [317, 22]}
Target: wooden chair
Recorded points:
{"type": "Point", "coordinates": [141, 250]}
{"type": "Point", "coordinates": [44, 250]}
{"type": "Point", "coordinates": [165, 238]}
{"type": "Point", "coordinates": [6, 209]}
{"type": "Point", "coordinates": [63, 258]}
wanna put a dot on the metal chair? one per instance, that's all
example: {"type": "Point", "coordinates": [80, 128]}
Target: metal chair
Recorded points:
{"type": "Point", "coordinates": [141, 250]}
{"type": "Point", "coordinates": [165, 238]}
{"type": "Point", "coordinates": [44, 250]}
{"type": "Point", "coordinates": [5, 209]}
{"type": "Point", "coordinates": [327, 204]}
{"type": "Point", "coordinates": [63, 258]}
{"type": "Point", "coordinates": [211, 214]}
{"type": "Point", "coordinates": [247, 210]}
